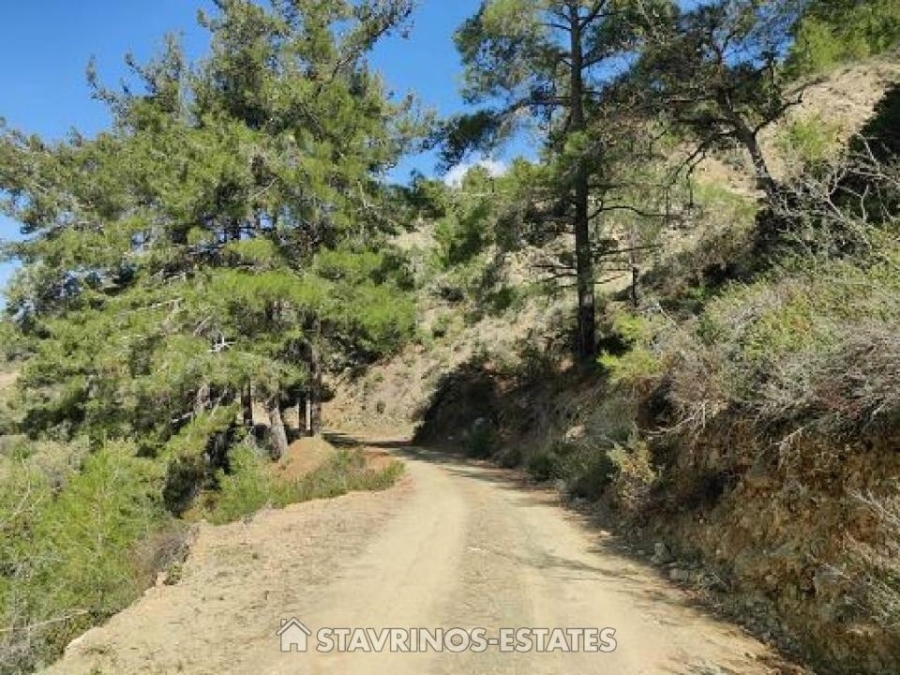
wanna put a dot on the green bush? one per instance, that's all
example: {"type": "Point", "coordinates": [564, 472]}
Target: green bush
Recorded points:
{"type": "Point", "coordinates": [347, 471]}
{"type": "Point", "coordinates": [67, 554]}
{"type": "Point", "coordinates": [634, 368]}
{"type": "Point", "coordinates": [640, 363]}
{"type": "Point", "coordinates": [808, 142]}
{"type": "Point", "coordinates": [812, 341]}
{"type": "Point", "coordinates": [590, 473]}
{"type": "Point", "coordinates": [482, 441]}
{"type": "Point", "coordinates": [245, 489]}
{"type": "Point", "coordinates": [586, 471]}
{"type": "Point", "coordinates": [251, 485]}
{"type": "Point", "coordinates": [834, 32]}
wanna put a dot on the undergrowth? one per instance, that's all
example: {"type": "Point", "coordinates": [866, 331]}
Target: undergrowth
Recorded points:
{"type": "Point", "coordinates": [83, 533]}
{"type": "Point", "coordinates": [252, 485]}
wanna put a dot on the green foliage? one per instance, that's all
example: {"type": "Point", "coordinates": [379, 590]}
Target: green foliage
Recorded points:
{"type": "Point", "coordinates": [244, 489]}
{"type": "Point", "coordinates": [250, 484]}
{"type": "Point", "coordinates": [782, 348]}
{"type": "Point", "coordinates": [14, 346]}
{"type": "Point", "coordinates": [554, 65]}
{"type": "Point", "coordinates": [713, 71]}
{"type": "Point", "coordinates": [229, 228]}
{"type": "Point", "coordinates": [466, 229]}
{"type": "Point", "coordinates": [67, 550]}
{"type": "Point", "coordinates": [636, 366]}
{"type": "Point", "coordinates": [808, 142]}
{"type": "Point", "coordinates": [639, 362]}
{"type": "Point", "coordinates": [833, 32]}
{"type": "Point", "coordinates": [347, 471]}
{"type": "Point", "coordinates": [585, 470]}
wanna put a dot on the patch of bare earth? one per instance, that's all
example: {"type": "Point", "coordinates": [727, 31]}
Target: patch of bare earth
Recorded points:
{"type": "Point", "coordinates": [303, 457]}
{"type": "Point", "coordinates": [8, 379]}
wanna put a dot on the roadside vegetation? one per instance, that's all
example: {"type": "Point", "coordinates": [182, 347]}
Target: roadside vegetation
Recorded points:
{"type": "Point", "coordinates": [85, 532]}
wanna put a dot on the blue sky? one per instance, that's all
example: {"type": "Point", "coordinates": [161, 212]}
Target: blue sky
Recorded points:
{"type": "Point", "coordinates": [45, 46]}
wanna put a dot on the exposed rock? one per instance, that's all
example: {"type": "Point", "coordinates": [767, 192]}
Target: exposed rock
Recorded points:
{"type": "Point", "coordinates": [576, 434]}
{"type": "Point", "coordinates": [679, 575]}
{"type": "Point", "coordinates": [661, 554]}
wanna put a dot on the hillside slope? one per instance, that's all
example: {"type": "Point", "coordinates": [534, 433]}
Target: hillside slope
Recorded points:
{"type": "Point", "coordinates": [743, 422]}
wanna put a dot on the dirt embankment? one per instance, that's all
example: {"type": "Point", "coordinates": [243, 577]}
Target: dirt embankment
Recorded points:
{"type": "Point", "coordinates": [804, 536]}
{"type": "Point", "coordinates": [796, 537]}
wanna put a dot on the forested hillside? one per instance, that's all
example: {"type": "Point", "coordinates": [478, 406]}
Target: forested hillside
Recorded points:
{"type": "Point", "coordinates": [683, 313]}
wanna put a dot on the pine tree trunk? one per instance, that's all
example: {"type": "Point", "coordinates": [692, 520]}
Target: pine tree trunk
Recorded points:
{"type": "Point", "coordinates": [277, 433]}
{"type": "Point", "coordinates": [764, 180]}
{"type": "Point", "coordinates": [584, 261]}
{"type": "Point", "coordinates": [747, 137]}
{"type": "Point", "coordinates": [247, 405]}
{"type": "Point", "coordinates": [316, 417]}
{"type": "Point", "coordinates": [635, 280]}
{"type": "Point", "coordinates": [584, 258]}
{"type": "Point", "coordinates": [314, 390]}
{"type": "Point", "coordinates": [315, 395]}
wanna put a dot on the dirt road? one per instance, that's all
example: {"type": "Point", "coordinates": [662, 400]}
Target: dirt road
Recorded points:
{"type": "Point", "coordinates": [454, 545]}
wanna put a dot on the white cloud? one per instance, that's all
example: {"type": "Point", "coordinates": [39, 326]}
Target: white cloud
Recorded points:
{"type": "Point", "coordinates": [455, 176]}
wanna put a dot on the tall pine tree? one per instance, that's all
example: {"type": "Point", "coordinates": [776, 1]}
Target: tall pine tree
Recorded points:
{"type": "Point", "coordinates": [549, 61]}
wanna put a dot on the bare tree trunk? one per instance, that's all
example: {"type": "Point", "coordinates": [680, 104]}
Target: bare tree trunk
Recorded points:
{"type": "Point", "coordinates": [764, 180]}
{"type": "Point", "coordinates": [247, 404]}
{"type": "Point", "coordinates": [277, 434]}
{"type": "Point", "coordinates": [584, 259]}
{"type": "Point", "coordinates": [635, 279]}
{"type": "Point", "coordinates": [747, 137]}
{"type": "Point", "coordinates": [314, 414]}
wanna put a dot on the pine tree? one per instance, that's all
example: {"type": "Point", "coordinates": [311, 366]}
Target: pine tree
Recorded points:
{"type": "Point", "coordinates": [549, 61]}
{"type": "Point", "coordinates": [716, 72]}
{"type": "Point", "coordinates": [227, 233]}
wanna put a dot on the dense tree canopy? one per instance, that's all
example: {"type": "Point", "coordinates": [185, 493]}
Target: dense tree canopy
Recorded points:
{"type": "Point", "coordinates": [225, 232]}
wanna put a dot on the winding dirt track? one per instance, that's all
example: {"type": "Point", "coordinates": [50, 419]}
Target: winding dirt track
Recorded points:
{"type": "Point", "coordinates": [453, 545]}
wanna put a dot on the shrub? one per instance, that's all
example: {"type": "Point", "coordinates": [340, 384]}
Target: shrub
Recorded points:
{"type": "Point", "coordinates": [836, 32]}
{"type": "Point", "coordinates": [586, 471]}
{"type": "Point", "coordinates": [347, 471]}
{"type": "Point", "coordinates": [245, 489]}
{"type": "Point", "coordinates": [67, 556]}
{"type": "Point", "coordinates": [635, 475]}
{"type": "Point", "coordinates": [482, 440]}
{"type": "Point", "coordinates": [251, 485]}
{"type": "Point", "coordinates": [590, 471]}
{"type": "Point", "coordinates": [808, 142]}
{"type": "Point", "coordinates": [813, 343]}
{"type": "Point", "coordinates": [639, 364]}
{"type": "Point", "coordinates": [637, 367]}
{"type": "Point", "coordinates": [184, 479]}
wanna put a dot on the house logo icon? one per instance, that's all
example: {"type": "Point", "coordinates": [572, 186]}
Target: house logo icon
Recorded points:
{"type": "Point", "coordinates": [294, 636]}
